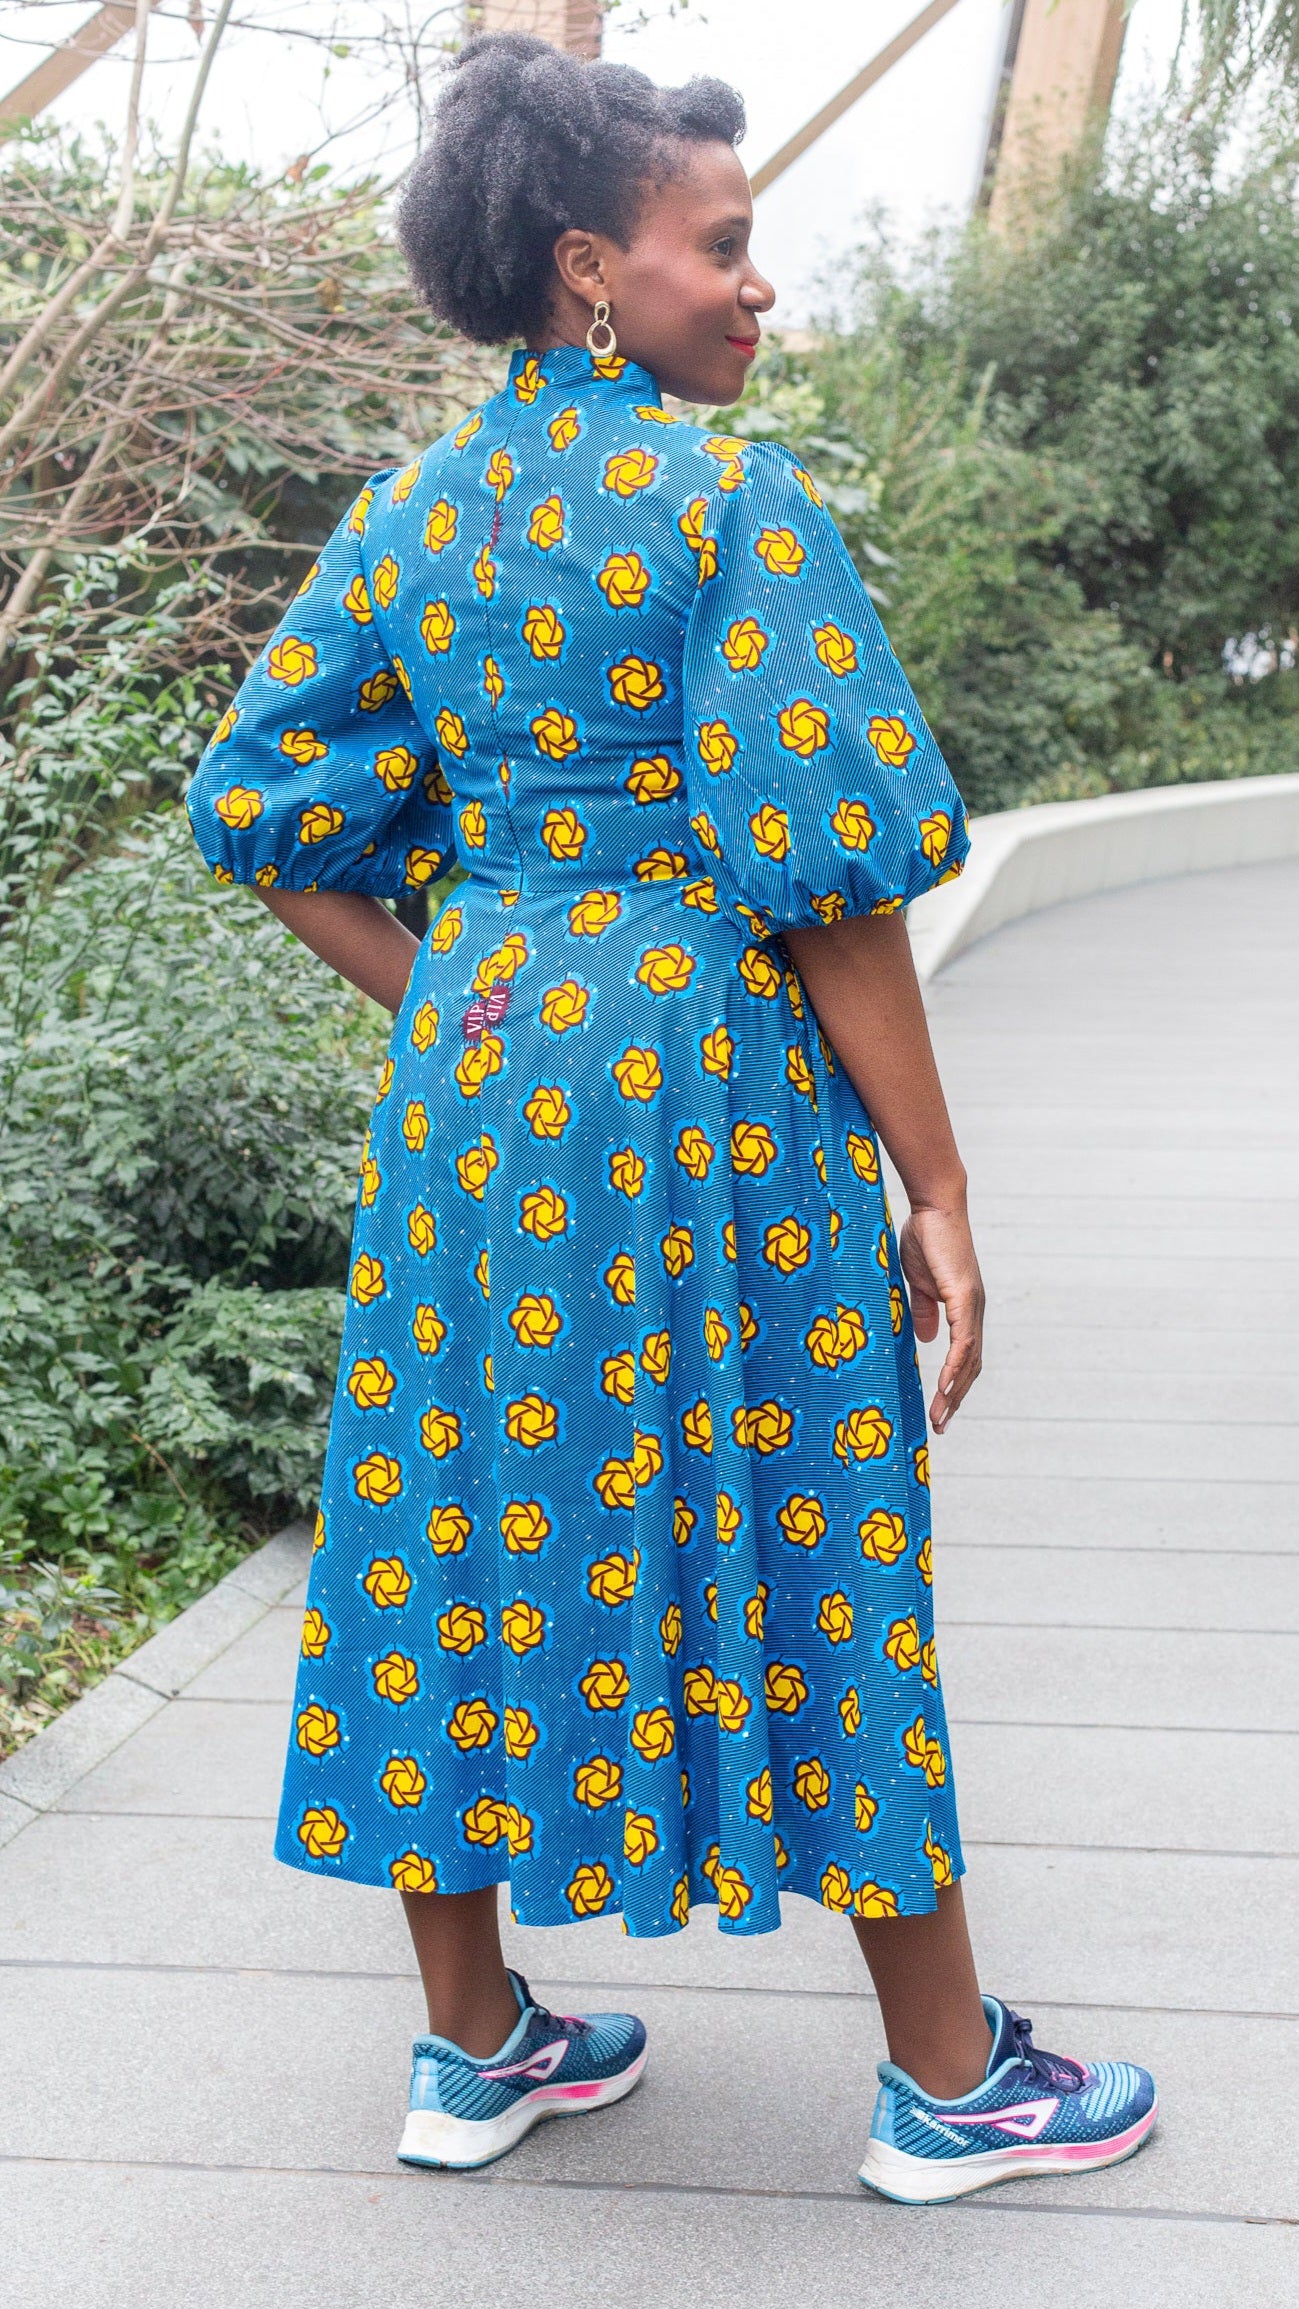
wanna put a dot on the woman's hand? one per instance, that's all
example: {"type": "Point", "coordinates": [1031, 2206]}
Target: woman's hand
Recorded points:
{"type": "Point", "coordinates": [355, 935]}
{"type": "Point", "coordinates": [937, 1254]}
{"type": "Point", "coordinates": [861, 982]}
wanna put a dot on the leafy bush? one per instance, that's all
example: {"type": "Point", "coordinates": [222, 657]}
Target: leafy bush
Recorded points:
{"type": "Point", "coordinates": [1070, 471]}
{"type": "Point", "coordinates": [183, 1091]}
{"type": "Point", "coordinates": [192, 386]}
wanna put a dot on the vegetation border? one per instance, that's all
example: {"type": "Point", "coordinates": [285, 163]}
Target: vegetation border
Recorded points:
{"type": "Point", "coordinates": [39, 1774]}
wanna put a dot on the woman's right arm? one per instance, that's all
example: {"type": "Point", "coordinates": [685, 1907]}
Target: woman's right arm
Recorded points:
{"type": "Point", "coordinates": [355, 935]}
{"type": "Point", "coordinates": [320, 787]}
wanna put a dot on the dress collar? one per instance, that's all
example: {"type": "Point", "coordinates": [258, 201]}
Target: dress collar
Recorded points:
{"type": "Point", "coordinates": [570, 369]}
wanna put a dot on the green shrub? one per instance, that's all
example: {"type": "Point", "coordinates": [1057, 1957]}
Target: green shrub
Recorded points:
{"type": "Point", "coordinates": [1069, 470]}
{"type": "Point", "coordinates": [184, 1092]}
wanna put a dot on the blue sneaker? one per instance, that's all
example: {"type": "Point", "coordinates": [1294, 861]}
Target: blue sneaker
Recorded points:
{"type": "Point", "coordinates": [1035, 2112]}
{"type": "Point", "coordinates": [465, 2111]}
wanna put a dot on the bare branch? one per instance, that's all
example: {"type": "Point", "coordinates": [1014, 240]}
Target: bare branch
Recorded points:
{"type": "Point", "coordinates": [125, 210]}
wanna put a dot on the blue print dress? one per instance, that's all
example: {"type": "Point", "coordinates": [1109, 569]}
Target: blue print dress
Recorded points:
{"type": "Point", "coordinates": [622, 1582]}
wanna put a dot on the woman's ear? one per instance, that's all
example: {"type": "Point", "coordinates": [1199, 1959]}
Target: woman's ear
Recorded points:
{"type": "Point", "coordinates": [579, 262]}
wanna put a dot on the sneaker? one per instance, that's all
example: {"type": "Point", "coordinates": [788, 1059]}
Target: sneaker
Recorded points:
{"type": "Point", "coordinates": [465, 2111]}
{"type": "Point", "coordinates": [1035, 2112]}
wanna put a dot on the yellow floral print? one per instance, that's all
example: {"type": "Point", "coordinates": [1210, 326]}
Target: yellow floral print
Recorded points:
{"type": "Point", "coordinates": [448, 1529]}
{"type": "Point", "coordinates": [546, 524]}
{"type": "Point", "coordinates": [525, 1526]}
{"type": "Point", "coordinates": [718, 746]}
{"type": "Point", "coordinates": [629, 471]}
{"type": "Point", "coordinates": [780, 552]}
{"type": "Point", "coordinates": [316, 1729]}
{"type": "Point", "coordinates": [441, 525]}
{"type": "Point", "coordinates": [624, 580]}
{"type": "Point", "coordinates": [323, 1832]}
{"type": "Point", "coordinates": [555, 734]}
{"type": "Point", "coordinates": [437, 627]}
{"type": "Point", "coordinates": [636, 682]}
{"type": "Point", "coordinates": [396, 1678]}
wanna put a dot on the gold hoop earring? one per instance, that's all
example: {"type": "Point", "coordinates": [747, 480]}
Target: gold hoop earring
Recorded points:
{"type": "Point", "coordinates": [601, 321]}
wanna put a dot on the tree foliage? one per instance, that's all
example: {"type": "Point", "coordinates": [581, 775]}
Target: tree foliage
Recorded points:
{"type": "Point", "coordinates": [1069, 466]}
{"type": "Point", "coordinates": [182, 1092]}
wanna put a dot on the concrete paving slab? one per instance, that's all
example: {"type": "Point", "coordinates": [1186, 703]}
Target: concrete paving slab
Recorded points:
{"type": "Point", "coordinates": [1033, 1783]}
{"type": "Point", "coordinates": [134, 1888]}
{"type": "Point", "coordinates": [1044, 1784]}
{"type": "Point", "coordinates": [285, 2240]}
{"type": "Point", "coordinates": [13, 1817]}
{"type": "Point", "coordinates": [1134, 1587]}
{"type": "Point", "coordinates": [1100, 1394]}
{"type": "Point", "coordinates": [1075, 1117]}
{"type": "Point", "coordinates": [214, 1759]}
{"type": "Point", "coordinates": [1121, 1675]}
{"type": "Point", "coordinates": [1143, 1450]}
{"type": "Point", "coordinates": [259, 1665]}
{"type": "Point", "coordinates": [1079, 1289]}
{"type": "Point", "coordinates": [305, 2072]}
{"type": "Point", "coordinates": [988, 1100]}
{"type": "Point", "coordinates": [271, 1571]}
{"type": "Point", "coordinates": [1140, 1354]}
{"type": "Point", "coordinates": [47, 1767]}
{"type": "Point", "coordinates": [1052, 1511]}
{"type": "Point", "coordinates": [173, 1657]}
{"type": "Point", "coordinates": [1000, 1165]}
{"type": "Point", "coordinates": [1122, 1928]}
{"type": "Point", "coordinates": [1241, 1237]}
{"type": "Point", "coordinates": [279, 2071]}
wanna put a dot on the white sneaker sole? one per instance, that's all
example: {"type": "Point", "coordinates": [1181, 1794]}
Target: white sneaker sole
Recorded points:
{"type": "Point", "coordinates": [433, 2138]}
{"type": "Point", "coordinates": [933, 2180]}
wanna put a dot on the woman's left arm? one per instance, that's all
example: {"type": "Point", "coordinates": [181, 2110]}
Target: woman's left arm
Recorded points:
{"type": "Point", "coordinates": [861, 982]}
{"type": "Point", "coordinates": [355, 935]}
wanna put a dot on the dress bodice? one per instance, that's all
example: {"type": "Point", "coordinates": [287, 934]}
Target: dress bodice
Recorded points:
{"type": "Point", "coordinates": [583, 642]}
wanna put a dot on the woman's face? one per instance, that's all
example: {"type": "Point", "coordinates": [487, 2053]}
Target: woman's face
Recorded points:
{"type": "Point", "coordinates": [685, 297]}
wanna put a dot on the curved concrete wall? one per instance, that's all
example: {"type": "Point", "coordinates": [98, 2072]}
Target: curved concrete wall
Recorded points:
{"type": "Point", "coordinates": [1022, 860]}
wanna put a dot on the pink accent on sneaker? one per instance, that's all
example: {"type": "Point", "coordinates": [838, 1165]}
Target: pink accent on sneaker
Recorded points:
{"type": "Point", "coordinates": [1084, 2152]}
{"type": "Point", "coordinates": [1025, 2120]}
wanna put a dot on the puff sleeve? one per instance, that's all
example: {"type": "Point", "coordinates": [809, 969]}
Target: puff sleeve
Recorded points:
{"type": "Point", "coordinates": [320, 776]}
{"type": "Point", "coordinates": [814, 781]}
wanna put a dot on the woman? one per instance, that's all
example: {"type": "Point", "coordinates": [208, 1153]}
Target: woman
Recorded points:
{"type": "Point", "coordinates": [622, 1591]}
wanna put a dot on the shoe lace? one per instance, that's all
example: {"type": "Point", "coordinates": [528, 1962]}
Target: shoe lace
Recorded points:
{"type": "Point", "coordinates": [1051, 2068]}
{"type": "Point", "coordinates": [571, 2023]}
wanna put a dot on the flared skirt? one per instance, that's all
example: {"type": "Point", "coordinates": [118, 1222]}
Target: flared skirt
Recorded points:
{"type": "Point", "coordinates": [622, 1589]}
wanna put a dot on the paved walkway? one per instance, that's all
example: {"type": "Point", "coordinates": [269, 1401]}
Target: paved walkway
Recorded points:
{"type": "Point", "coordinates": [202, 2066]}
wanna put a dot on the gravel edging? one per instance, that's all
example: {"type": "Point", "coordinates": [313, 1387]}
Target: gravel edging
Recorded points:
{"type": "Point", "coordinates": [36, 1778]}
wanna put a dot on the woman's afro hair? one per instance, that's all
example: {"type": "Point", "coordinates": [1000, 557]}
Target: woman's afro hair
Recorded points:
{"type": "Point", "coordinates": [528, 142]}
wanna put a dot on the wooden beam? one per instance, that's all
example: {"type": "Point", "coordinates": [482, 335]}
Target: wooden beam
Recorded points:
{"type": "Point", "coordinates": [572, 24]}
{"type": "Point", "coordinates": [1066, 62]}
{"type": "Point", "coordinates": [815, 127]}
{"type": "Point", "coordinates": [66, 63]}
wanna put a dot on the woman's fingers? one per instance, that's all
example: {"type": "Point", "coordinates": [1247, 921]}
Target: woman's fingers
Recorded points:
{"type": "Point", "coordinates": [964, 1359]}
{"type": "Point", "coordinates": [961, 1368]}
{"type": "Point", "coordinates": [924, 1310]}
{"type": "Point", "coordinates": [941, 1269]}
